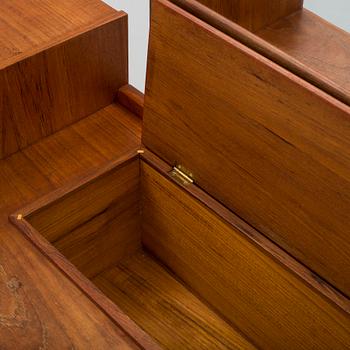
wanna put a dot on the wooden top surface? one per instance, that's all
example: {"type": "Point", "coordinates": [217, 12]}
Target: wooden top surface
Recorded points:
{"type": "Point", "coordinates": [254, 14]}
{"type": "Point", "coordinates": [316, 43]}
{"type": "Point", "coordinates": [39, 306]}
{"type": "Point", "coordinates": [32, 25]}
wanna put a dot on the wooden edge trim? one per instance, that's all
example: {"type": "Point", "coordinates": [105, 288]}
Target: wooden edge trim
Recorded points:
{"type": "Point", "coordinates": [109, 308]}
{"type": "Point", "coordinates": [132, 99]}
{"type": "Point", "coordinates": [264, 244]}
{"type": "Point", "coordinates": [261, 46]}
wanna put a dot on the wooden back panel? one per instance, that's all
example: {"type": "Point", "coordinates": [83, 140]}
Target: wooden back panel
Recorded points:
{"type": "Point", "coordinates": [268, 145]}
{"type": "Point", "coordinates": [254, 14]}
{"type": "Point", "coordinates": [230, 267]}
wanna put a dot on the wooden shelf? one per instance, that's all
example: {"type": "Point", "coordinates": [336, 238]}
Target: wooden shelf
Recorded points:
{"type": "Point", "coordinates": [315, 43]}
{"type": "Point", "coordinates": [21, 36]}
{"type": "Point", "coordinates": [164, 308]}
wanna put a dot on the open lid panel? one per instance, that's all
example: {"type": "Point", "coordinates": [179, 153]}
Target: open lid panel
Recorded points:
{"type": "Point", "coordinates": [265, 143]}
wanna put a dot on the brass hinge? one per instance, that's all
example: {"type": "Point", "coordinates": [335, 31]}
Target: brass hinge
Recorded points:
{"type": "Point", "coordinates": [182, 175]}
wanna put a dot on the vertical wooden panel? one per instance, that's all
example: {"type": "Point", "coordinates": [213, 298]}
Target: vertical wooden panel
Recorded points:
{"type": "Point", "coordinates": [58, 81]}
{"type": "Point", "coordinates": [271, 147]}
{"type": "Point", "coordinates": [253, 14]}
{"type": "Point", "coordinates": [269, 304]}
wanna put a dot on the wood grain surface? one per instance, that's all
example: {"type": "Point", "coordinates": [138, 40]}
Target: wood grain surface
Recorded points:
{"type": "Point", "coordinates": [21, 35]}
{"type": "Point", "coordinates": [316, 43]}
{"type": "Point", "coordinates": [96, 224]}
{"type": "Point", "coordinates": [271, 147]}
{"type": "Point", "coordinates": [64, 214]}
{"type": "Point", "coordinates": [132, 99]}
{"type": "Point", "coordinates": [306, 33]}
{"type": "Point", "coordinates": [271, 305]}
{"type": "Point", "coordinates": [254, 14]}
{"type": "Point", "coordinates": [63, 66]}
{"type": "Point", "coordinates": [39, 306]}
{"type": "Point", "coordinates": [163, 307]}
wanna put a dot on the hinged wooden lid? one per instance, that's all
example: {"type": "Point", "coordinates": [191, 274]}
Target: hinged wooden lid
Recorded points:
{"type": "Point", "coordinates": [270, 146]}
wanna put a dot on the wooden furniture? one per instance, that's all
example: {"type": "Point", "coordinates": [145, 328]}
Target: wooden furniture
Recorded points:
{"type": "Point", "coordinates": [193, 219]}
{"type": "Point", "coordinates": [254, 14]}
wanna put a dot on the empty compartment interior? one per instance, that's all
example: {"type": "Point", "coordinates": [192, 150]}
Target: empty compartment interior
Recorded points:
{"type": "Point", "coordinates": [97, 227]}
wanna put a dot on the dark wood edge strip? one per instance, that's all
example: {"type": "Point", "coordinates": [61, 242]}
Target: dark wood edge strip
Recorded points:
{"type": "Point", "coordinates": [264, 244]}
{"type": "Point", "coordinates": [53, 255]}
{"type": "Point", "coordinates": [261, 46]}
{"type": "Point", "coordinates": [132, 99]}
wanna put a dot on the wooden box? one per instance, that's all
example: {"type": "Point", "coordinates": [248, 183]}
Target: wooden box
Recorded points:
{"type": "Point", "coordinates": [207, 236]}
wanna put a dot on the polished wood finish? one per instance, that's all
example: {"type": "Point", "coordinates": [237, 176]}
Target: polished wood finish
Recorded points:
{"type": "Point", "coordinates": [39, 306]}
{"type": "Point", "coordinates": [81, 223]}
{"type": "Point", "coordinates": [67, 64]}
{"type": "Point", "coordinates": [63, 214]}
{"type": "Point", "coordinates": [271, 147]}
{"type": "Point", "coordinates": [164, 308]}
{"type": "Point", "coordinates": [316, 44]}
{"type": "Point", "coordinates": [269, 303]}
{"type": "Point", "coordinates": [259, 139]}
{"type": "Point", "coordinates": [101, 253]}
{"type": "Point", "coordinates": [90, 246]}
{"type": "Point", "coordinates": [132, 99]}
{"type": "Point", "coordinates": [254, 14]}
{"type": "Point", "coordinates": [303, 30]}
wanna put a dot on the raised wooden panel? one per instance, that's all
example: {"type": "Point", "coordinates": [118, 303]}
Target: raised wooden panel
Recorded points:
{"type": "Point", "coordinates": [271, 147]}
{"type": "Point", "coordinates": [229, 266]}
{"type": "Point", "coordinates": [254, 14]}
{"type": "Point", "coordinates": [56, 73]}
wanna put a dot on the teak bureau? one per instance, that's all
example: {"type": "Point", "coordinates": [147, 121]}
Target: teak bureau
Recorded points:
{"type": "Point", "coordinates": [210, 213]}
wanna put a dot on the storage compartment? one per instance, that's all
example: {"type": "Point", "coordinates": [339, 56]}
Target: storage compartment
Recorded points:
{"type": "Point", "coordinates": [96, 225]}
{"type": "Point", "coordinates": [187, 270]}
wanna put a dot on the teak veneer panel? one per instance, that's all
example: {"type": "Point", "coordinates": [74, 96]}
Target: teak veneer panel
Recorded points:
{"type": "Point", "coordinates": [315, 43]}
{"type": "Point", "coordinates": [271, 147]}
{"type": "Point", "coordinates": [254, 14]}
{"type": "Point", "coordinates": [164, 308]}
{"type": "Point", "coordinates": [55, 220]}
{"type": "Point", "coordinates": [62, 71]}
{"type": "Point", "coordinates": [272, 306]}
{"type": "Point", "coordinates": [97, 224]}
{"type": "Point", "coordinates": [31, 25]}
{"type": "Point", "coordinates": [307, 34]}
{"type": "Point", "coordinates": [52, 311]}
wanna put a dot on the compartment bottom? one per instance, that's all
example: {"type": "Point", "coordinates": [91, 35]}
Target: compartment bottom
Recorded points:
{"type": "Point", "coordinates": [164, 308]}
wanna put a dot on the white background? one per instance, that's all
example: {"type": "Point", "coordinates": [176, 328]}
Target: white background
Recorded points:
{"type": "Point", "coordinates": [336, 11]}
